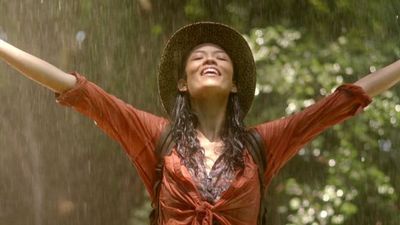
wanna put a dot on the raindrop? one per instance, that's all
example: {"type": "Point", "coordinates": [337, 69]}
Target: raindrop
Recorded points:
{"type": "Point", "coordinates": [3, 35]}
{"type": "Point", "coordinates": [372, 69]}
{"type": "Point", "coordinates": [332, 162]}
{"type": "Point", "coordinates": [80, 37]}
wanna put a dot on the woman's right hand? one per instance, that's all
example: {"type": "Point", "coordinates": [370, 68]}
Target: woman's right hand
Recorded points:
{"type": "Point", "coordinates": [36, 69]}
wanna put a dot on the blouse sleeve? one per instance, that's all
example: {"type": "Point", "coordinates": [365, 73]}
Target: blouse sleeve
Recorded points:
{"type": "Point", "coordinates": [137, 131]}
{"type": "Point", "coordinates": [286, 136]}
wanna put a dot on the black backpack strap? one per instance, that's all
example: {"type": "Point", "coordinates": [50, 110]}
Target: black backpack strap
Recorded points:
{"type": "Point", "coordinates": [256, 147]}
{"type": "Point", "coordinates": [163, 148]}
{"type": "Point", "coordinates": [164, 143]}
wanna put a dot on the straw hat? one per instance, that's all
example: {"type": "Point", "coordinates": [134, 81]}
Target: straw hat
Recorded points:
{"type": "Point", "coordinates": [188, 37]}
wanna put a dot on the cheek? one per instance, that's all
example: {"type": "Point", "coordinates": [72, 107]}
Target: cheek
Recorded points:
{"type": "Point", "coordinates": [229, 70]}
{"type": "Point", "coordinates": [190, 69]}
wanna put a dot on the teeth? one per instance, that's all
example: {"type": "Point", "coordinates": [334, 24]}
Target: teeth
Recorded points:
{"type": "Point", "coordinates": [210, 70]}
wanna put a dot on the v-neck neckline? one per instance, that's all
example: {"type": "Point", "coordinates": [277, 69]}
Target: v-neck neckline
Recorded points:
{"type": "Point", "coordinates": [215, 145]}
{"type": "Point", "coordinates": [187, 176]}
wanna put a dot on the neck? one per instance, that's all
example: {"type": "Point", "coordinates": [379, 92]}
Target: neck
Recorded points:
{"type": "Point", "coordinates": [211, 115]}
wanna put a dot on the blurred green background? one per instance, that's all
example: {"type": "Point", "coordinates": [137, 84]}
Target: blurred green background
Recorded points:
{"type": "Point", "coordinates": [56, 167]}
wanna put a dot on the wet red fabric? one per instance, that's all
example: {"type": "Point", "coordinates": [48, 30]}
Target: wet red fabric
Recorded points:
{"type": "Point", "coordinates": [180, 201]}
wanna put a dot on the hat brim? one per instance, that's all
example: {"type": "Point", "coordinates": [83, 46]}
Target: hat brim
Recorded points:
{"type": "Point", "coordinates": [192, 35]}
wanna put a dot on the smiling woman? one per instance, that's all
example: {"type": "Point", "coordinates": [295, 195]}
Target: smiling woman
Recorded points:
{"type": "Point", "coordinates": [208, 77]}
{"type": "Point", "coordinates": [210, 175]}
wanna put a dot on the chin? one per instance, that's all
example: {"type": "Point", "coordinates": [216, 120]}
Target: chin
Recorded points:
{"type": "Point", "coordinates": [209, 91]}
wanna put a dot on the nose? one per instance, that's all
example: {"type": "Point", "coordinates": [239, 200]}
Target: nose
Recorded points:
{"type": "Point", "coordinates": [210, 60]}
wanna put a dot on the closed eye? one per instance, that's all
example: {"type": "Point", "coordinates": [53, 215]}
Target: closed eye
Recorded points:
{"type": "Point", "coordinates": [222, 56]}
{"type": "Point", "coordinates": [196, 57]}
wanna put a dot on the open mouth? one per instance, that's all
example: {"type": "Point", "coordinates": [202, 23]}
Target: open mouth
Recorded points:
{"type": "Point", "coordinates": [210, 71]}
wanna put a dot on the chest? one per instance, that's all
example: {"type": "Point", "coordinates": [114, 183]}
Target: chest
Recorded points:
{"type": "Point", "coordinates": [180, 189]}
{"type": "Point", "coordinates": [212, 151]}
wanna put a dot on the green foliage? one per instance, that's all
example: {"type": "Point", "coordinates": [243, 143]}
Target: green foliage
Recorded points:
{"type": "Point", "coordinates": [296, 69]}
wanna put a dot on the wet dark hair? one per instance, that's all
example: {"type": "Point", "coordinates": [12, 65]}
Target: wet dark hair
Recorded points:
{"type": "Point", "coordinates": [184, 123]}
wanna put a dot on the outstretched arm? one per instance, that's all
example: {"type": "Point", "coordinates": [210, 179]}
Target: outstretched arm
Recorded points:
{"type": "Point", "coordinates": [381, 80]}
{"type": "Point", "coordinates": [36, 69]}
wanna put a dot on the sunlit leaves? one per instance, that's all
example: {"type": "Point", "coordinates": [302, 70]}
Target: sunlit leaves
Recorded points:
{"type": "Point", "coordinates": [295, 69]}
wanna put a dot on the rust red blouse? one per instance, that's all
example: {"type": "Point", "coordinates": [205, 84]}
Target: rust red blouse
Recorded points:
{"type": "Point", "coordinates": [180, 200]}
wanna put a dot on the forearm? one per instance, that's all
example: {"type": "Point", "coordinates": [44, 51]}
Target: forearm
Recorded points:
{"type": "Point", "coordinates": [381, 80]}
{"type": "Point", "coordinates": [36, 69]}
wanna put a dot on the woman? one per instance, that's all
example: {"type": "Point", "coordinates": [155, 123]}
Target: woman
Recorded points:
{"type": "Point", "coordinates": [206, 83]}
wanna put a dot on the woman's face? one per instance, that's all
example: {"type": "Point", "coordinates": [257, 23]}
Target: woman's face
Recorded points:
{"type": "Point", "coordinates": [209, 71]}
